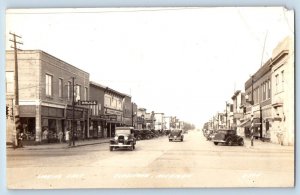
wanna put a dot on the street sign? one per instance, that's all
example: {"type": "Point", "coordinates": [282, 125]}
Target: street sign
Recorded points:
{"type": "Point", "coordinates": [87, 102]}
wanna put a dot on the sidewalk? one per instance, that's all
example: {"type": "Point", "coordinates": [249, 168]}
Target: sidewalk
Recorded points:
{"type": "Point", "coordinates": [260, 145]}
{"type": "Point", "coordinates": [64, 145]}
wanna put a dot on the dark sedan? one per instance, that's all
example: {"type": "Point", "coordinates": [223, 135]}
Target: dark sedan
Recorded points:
{"type": "Point", "coordinates": [228, 137]}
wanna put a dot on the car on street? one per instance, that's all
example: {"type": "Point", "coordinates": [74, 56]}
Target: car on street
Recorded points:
{"type": "Point", "coordinates": [124, 138]}
{"type": "Point", "coordinates": [228, 137]}
{"type": "Point", "coordinates": [176, 135]}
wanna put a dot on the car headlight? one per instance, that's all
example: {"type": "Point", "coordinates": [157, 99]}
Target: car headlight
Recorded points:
{"type": "Point", "coordinates": [116, 137]}
{"type": "Point", "coordinates": [126, 138]}
{"type": "Point", "coordinates": [175, 136]}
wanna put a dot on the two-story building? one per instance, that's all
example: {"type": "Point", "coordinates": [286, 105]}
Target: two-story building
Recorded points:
{"type": "Point", "coordinates": [159, 122]}
{"type": "Point", "coordinates": [97, 122]}
{"type": "Point", "coordinates": [113, 110]}
{"type": "Point", "coordinates": [283, 85]}
{"type": "Point", "coordinates": [128, 111]}
{"type": "Point", "coordinates": [238, 99]}
{"type": "Point", "coordinates": [141, 113]}
{"type": "Point", "coordinates": [258, 97]}
{"type": "Point", "coordinates": [45, 95]}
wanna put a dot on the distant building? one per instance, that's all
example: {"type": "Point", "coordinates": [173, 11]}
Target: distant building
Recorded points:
{"type": "Point", "coordinates": [159, 122]}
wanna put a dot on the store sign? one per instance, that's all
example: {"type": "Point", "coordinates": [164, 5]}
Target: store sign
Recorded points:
{"type": "Point", "coordinates": [87, 102]}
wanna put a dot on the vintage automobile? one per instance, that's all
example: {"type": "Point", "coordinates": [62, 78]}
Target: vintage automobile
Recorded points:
{"type": "Point", "coordinates": [124, 138]}
{"type": "Point", "coordinates": [228, 137]}
{"type": "Point", "coordinates": [176, 135]}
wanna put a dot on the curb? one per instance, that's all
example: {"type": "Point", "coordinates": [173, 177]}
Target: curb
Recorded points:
{"type": "Point", "coordinates": [62, 147]}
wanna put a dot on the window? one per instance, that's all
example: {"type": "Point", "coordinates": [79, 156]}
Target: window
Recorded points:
{"type": "Point", "coordinates": [276, 82]}
{"type": "Point", "coordinates": [69, 90]}
{"type": "Point", "coordinates": [269, 89]}
{"type": "Point", "coordinates": [77, 92]}
{"type": "Point", "coordinates": [60, 88]}
{"type": "Point", "coordinates": [85, 93]}
{"type": "Point", "coordinates": [282, 80]}
{"type": "Point", "coordinates": [107, 101]}
{"type": "Point", "coordinates": [10, 82]}
{"type": "Point", "coordinates": [49, 85]}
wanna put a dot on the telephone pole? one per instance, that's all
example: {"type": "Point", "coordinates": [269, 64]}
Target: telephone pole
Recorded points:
{"type": "Point", "coordinates": [17, 128]}
{"type": "Point", "coordinates": [73, 111]}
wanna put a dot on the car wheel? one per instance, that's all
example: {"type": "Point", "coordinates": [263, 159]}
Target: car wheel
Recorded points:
{"type": "Point", "coordinates": [170, 140]}
{"type": "Point", "coordinates": [182, 139]}
{"type": "Point", "coordinates": [241, 143]}
{"type": "Point", "coordinates": [216, 143]}
{"type": "Point", "coordinates": [111, 148]}
{"type": "Point", "coordinates": [133, 146]}
{"type": "Point", "coordinates": [229, 142]}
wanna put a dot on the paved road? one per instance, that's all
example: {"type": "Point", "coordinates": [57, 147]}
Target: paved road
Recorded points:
{"type": "Point", "coordinates": [155, 163]}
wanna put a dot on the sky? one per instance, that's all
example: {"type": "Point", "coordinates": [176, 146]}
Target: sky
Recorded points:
{"type": "Point", "coordinates": [185, 62]}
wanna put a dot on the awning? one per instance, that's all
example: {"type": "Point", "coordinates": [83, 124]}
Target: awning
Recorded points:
{"type": "Point", "coordinates": [246, 123]}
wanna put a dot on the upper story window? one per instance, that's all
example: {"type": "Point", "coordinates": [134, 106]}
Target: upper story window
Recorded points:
{"type": "Point", "coordinates": [69, 90]}
{"type": "Point", "coordinates": [10, 82]}
{"type": "Point", "coordinates": [269, 89]}
{"type": "Point", "coordinates": [107, 101]}
{"type": "Point", "coordinates": [49, 79]}
{"type": "Point", "coordinates": [60, 88]}
{"type": "Point", "coordinates": [282, 80]}
{"type": "Point", "coordinates": [77, 92]}
{"type": "Point", "coordinates": [276, 82]}
{"type": "Point", "coordinates": [85, 93]}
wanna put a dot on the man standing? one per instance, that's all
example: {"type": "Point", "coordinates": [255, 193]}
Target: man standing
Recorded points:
{"type": "Point", "coordinates": [68, 140]}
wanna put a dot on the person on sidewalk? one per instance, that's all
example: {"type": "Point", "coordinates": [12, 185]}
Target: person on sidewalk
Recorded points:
{"type": "Point", "coordinates": [60, 136]}
{"type": "Point", "coordinates": [20, 139]}
{"type": "Point", "coordinates": [68, 137]}
{"type": "Point", "coordinates": [280, 136]}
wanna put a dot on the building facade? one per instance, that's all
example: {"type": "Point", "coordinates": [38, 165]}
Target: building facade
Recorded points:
{"type": "Point", "coordinates": [141, 113]}
{"type": "Point", "coordinates": [45, 95]}
{"type": "Point", "coordinates": [283, 86]}
{"type": "Point", "coordinates": [258, 97]}
{"type": "Point", "coordinates": [113, 110]}
{"type": "Point", "coordinates": [159, 122]}
{"type": "Point", "coordinates": [127, 111]}
{"type": "Point", "coordinates": [97, 122]}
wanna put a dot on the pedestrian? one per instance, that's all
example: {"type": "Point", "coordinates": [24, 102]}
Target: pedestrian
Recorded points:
{"type": "Point", "coordinates": [20, 139]}
{"type": "Point", "coordinates": [46, 134]}
{"type": "Point", "coordinates": [280, 136]}
{"type": "Point", "coordinates": [60, 136]}
{"type": "Point", "coordinates": [68, 140]}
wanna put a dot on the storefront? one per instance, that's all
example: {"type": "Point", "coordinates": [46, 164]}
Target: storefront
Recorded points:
{"type": "Point", "coordinates": [79, 123]}
{"type": "Point", "coordinates": [53, 122]}
{"type": "Point", "coordinates": [97, 126]}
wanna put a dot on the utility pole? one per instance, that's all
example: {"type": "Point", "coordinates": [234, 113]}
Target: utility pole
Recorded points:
{"type": "Point", "coordinates": [73, 111]}
{"type": "Point", "coordinates": [252, 114]}
{"type": "Point", "coordinates": [132, 113]}
{"type": "Point", "coordinates": [226, 114]}
{"type": "Point", "coordinates": [17, 128]}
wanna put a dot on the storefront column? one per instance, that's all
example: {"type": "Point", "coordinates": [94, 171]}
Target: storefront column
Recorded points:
{"type": "Point", "coordinates": [38, 123]}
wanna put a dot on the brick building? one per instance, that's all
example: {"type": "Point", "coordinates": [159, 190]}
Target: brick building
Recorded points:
{"type": "Point", "coordinates": [45, 95]}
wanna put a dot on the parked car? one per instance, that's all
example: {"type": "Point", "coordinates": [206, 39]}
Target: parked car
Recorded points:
{"type": "Point", "coordinates": [228, 137]}
{"type": "Point", "coordinates": [146, 134]}
{"type": "Point", "coordinates": [124, 138]}
{"type": "Point", "coordinates": [176, 135]}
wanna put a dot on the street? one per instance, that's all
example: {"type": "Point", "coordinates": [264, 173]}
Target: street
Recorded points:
{"type": "Point", "coordinates": [159, 163]}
